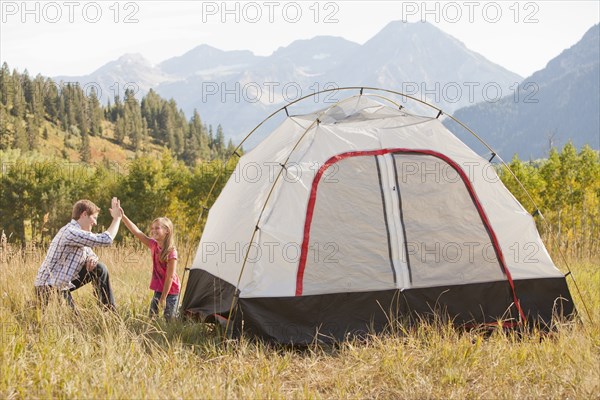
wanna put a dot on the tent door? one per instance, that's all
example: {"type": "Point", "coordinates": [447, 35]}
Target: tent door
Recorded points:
{"type": "Point", "coordinates": [445, 238]}
{"type": "Point", "coordinates": [394, 218]}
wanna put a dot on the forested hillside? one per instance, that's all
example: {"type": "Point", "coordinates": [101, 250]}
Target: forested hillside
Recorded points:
{"type": "Point", "coordinates": [68, 121]}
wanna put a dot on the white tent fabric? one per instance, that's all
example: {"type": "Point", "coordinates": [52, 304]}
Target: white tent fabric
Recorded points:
{"type": "Point", "coordinates": [361, 238]}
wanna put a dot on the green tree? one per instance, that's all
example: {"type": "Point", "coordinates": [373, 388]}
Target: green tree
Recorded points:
{"type": "Point", "coordinates": [145, 190]}
{"type": "Point", "coordinates": [151, 107]}
{"type": "Point", "coordinates": [6, 87]}
{"type": "Point", "coordinates": [37, 108]}
{"type": "Point", "coordinates": [193, 140]}
{"type": "Point", "coordinates": [230, 148]}
{"type": "Point", "coordinates": [18, 99]}
{"type": "Point", "coordinates": [6, 133]}
{"type": "Point", "coordinates": [220, 140]}
{"type": "Point", "coordinates": [85, 151]}
{"type": "Point", "coordinates": [135, 128]}
{"type": "Point", "coordinates": [117, 110]}
{"type": "Point", "coordinates": [51, 100]}
{"type": "Point", "coordinates": [20, 136]}
{"type": "Point", "coordinates": [95, 113]}
{"type": "Point", "coordinates": [120, 130]}
{"type": "Point", "coordinates": [32, 133]}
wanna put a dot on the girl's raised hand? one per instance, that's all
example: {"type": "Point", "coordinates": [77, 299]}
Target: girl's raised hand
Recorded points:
{"type": "Point", "coordinates": [115, 208]}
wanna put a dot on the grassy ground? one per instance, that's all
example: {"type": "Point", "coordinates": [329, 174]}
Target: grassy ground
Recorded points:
{"type": "Point", "coordinates": [57, 354]}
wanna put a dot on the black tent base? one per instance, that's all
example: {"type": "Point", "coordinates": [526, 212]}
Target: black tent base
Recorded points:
{"type": "Point", "coordinates": [335, 317]}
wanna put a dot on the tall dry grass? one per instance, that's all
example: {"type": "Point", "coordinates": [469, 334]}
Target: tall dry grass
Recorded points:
{"type": "Point", "coordinates": [57, 354]}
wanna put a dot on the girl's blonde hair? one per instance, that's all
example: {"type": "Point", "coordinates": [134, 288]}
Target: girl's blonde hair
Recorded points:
{"type": "Point", "coordinates": [169, 243]}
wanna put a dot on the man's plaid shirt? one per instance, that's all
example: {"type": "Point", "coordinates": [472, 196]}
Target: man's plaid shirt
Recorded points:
{"type": "Point", "coordinates": [69, 250]}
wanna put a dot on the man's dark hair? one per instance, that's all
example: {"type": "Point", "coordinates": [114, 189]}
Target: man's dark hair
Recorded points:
{"type": "Point", "coordinates": [84, 205]}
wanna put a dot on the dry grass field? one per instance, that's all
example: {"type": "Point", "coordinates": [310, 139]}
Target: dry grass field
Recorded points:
{"type": "Point", "coordinates": [57, 354]}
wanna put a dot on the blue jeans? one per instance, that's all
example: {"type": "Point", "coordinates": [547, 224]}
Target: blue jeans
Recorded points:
{"type": "Point", "coordinates": [98, 276]}
{"type": "Point", "coordinates": [170, 307]}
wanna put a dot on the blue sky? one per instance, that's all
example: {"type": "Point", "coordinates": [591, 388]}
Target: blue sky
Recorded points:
{"type": "Point", "coordinates": [76, 37]}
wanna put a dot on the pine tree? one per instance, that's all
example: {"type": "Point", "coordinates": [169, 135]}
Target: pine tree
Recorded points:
{"type": "Point", "coordinates": [230, 148]}
{"type": "Point", "coordinates": [37, 99]}
{"type": "Point", "coordinates": [176, 125]}
{"type": "Point", "coordinates": [134, 125]}
{"type": "Point", "coordinates": [18, 101]}
{"type": "Point", "coordinates": [6, 135]}
{"type": "Point", "coordinates": [82, 112]}
{"type": "Point", "coordinates": [28, 91]}
{"type": "Point", "coordinates": [95, 113]}
{"type": "Point", "coordinates": [51, 100]}
{"type": "Point", "coordinates": [85, 151]}
{"type": "Point", "coordinates": [117, 110]}
{"type": "Point", "coordinates": [72, 107]}
{"type": "Point", "coordinates": [151, 108]}
{"type": "Point", "coordinates": [32, 134]}
{"type": "Point", "coordinates": [211, 137]}
{"type": "Point", "coordinates": [120, 132]}
{"type": "Point", "coordinates": [220, 142]}
{"type": "Point", "coordinates": [20, 136]}
{"type": "Point", "coordinates": [108, 111]}
{"type": "Point", "coordinates": [6, 87]}
{"type": "Point", "coordinates": [191, 150]}
{"type": "Point", "coordinates": [205, 144]}
{"type": "Point", "coordinates": [61, 111]}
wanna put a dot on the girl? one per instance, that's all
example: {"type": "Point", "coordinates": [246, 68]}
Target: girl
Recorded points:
{"type": "Point", "coordinates": [165, 282]}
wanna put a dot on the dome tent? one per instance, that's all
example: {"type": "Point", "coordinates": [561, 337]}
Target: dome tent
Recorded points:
{"type": "Point", "coordinates": [346, 218]}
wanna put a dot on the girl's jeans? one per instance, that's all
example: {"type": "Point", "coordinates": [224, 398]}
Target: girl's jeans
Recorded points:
{"type": "Point", "coordinates": [171, 304]}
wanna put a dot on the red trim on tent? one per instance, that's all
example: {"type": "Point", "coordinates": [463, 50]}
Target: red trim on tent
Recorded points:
{"type": "Point", "coordinates": [313, 198]}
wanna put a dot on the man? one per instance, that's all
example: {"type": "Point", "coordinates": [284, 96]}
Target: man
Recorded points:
{"type": "Point", "coordinates": [71, 263]}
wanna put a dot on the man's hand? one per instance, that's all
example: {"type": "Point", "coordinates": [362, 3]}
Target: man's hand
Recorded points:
{"type": "Point", "coordinates": [115, 208]}
{"type": "Point", "coordinates": [90, 264]}
{"type": "Point", "coordinates": [162, 302]}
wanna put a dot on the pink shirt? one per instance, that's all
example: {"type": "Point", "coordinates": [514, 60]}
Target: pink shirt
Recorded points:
{"type": "Point", "coordinates": [159, 270]}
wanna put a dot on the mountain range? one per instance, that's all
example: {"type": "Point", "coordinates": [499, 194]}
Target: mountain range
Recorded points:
{"type": "Point", "coordinates": [238, 88]}
{"type": "Point", "coordinates": [557, 104]}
